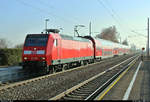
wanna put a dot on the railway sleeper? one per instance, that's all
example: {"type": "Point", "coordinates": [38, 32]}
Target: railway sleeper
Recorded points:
{"type": "Point", "coordinates": [94, 82]}
{"type": "Point", "coordinates": [74, 96]}
{"type": "Point", "coordinates": [89, 87]}
{"type": "Point", "coordinates": [82, 90]}
{"type": "Point", "coordinates": [85, 85]}
{"type": "Point", "coordinates": [68, 98]}
{"type": "Point", "coordinates": [79, 94]}
{"type": "Point", "coordinates": [87, 90]}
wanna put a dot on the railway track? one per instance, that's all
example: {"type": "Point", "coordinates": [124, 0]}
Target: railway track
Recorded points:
{"type": "Point", "coordinates": [28, 84]}
{"type": "Point", "coordinates": [28, 75]}
{"type": "Point", "coordinates": [12, 76]}
{"type": "Point", "coordinates": [92, 87]}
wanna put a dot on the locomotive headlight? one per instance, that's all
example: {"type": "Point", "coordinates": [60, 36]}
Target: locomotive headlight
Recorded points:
{"type": "Point", "coordinates": [25, 58]}
{"type": "Point", "coordinates": [42, 58]}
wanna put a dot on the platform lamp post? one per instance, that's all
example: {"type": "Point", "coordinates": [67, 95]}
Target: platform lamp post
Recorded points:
{"type": "Point", "coordinates": [96, 32]}
{"type": "Point", "coordinates": [46, 20]}
{"type": "Point", "coordinates": [148, 38]}
{"type": "Point", "coordinates": [119, 37]}
{"type": "Point", "coordinates": [76, 30]}
{"type": "Point", "coordinates": [61, 29]}
{"type": "Point", "coordinates": [142, 55]}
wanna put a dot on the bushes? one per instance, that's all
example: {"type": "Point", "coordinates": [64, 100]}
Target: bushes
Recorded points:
{"type": "Point", "coordinates": [10, 56]}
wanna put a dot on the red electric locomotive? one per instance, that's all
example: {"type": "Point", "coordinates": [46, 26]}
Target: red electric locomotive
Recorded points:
{"type": "Point", "coordinates": [55, 51]}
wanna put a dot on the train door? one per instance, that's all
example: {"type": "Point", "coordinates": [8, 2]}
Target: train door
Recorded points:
{"type": "Point", "coordinates": [59, 50]}
{"type": "Point", "coordinates": [57, 44]}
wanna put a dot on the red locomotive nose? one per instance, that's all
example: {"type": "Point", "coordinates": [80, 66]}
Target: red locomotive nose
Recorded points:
{"type": "Point", "coordinates": [34, 52]}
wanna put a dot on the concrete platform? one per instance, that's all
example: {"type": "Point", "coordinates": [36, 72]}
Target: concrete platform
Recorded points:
{"type": "Point", "coordinates": [140, 88]}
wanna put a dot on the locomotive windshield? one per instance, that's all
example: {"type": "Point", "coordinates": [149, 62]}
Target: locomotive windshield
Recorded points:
{"type": "Point", "coordinates": [36, 40]}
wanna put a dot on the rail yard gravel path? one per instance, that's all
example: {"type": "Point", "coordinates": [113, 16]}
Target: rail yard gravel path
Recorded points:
{"type": "Point", "coordinates": [51, 86]}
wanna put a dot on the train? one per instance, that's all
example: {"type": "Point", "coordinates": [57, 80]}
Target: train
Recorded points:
{"type": "Point", "coordinates": [53, 51]}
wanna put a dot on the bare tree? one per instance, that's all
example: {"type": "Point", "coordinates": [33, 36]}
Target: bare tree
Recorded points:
{"type": "Point", "coordinates": [125, 42]}
{"type": "Point", "coordinates": [19, 46]}
{"type": "Point", "coordinates": [3, 43]}
{"type": "Point", "coordinates": [109, 34]}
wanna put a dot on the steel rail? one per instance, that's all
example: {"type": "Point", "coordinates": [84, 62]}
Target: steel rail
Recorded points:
{"type": "Point", "coordinates": [87, 81]}
{"type": "Point", "coordinates": [4, 86]}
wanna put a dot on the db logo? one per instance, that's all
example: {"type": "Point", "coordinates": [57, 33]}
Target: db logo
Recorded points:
{"type": "Point", "coordinates": [33, 52]}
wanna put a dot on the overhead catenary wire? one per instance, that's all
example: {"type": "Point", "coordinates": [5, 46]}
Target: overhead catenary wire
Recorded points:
{"type": "Point", "coordinates": [118, 17]}
{"type": "Point", "coordinates": [52, 7]}
{"type": "Point", "coordinates": [115, 17]}
{"type": "Point", "coordinates": [110, 13]}
{"type": "Point", "coordinates": [45, 11]}
{"type": "Point", "coordinates": [113, 11]}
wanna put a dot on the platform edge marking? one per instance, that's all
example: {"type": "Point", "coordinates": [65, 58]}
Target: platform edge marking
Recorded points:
{"type": "Point", "coordinates": [126, 95]}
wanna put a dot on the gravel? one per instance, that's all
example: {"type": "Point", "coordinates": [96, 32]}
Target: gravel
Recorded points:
{"type": "Point", "coordinates": [51, 86]}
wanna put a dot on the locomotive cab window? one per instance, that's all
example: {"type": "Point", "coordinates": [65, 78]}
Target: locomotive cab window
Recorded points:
{"type": "Point", "coordinates": [36, 40]}
{"type": "Point", "coordinates": [55, 42]}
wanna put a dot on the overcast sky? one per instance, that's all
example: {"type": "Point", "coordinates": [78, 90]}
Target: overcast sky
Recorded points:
{"type": "Point", "coordinates": [21, 17]}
